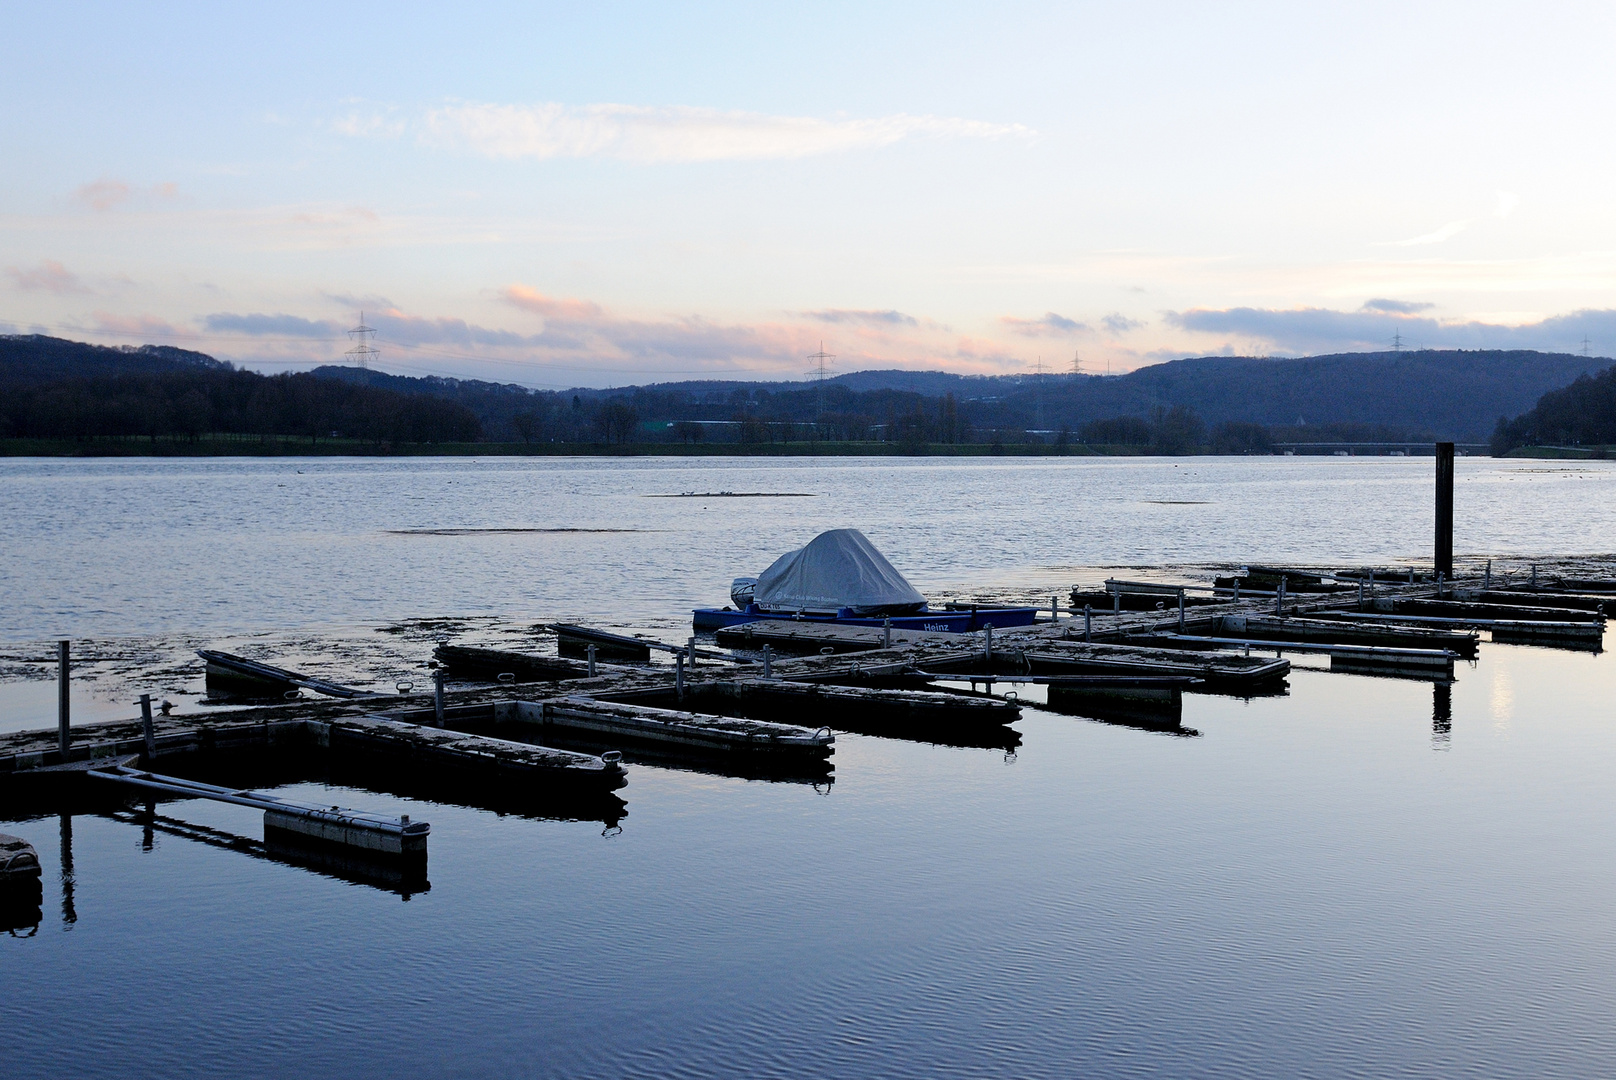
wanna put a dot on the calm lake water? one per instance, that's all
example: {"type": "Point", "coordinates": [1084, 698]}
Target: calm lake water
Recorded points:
{"type": "Point", "coordinates": [1365, 877]}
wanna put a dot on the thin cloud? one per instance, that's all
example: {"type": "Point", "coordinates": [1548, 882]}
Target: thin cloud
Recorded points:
{"type": "Point", "coordinates": [276, 325]}
{"type": "Point", "coordinates": [1051, 325]}
{"type": "Point", "coordinates": [1117, 323]}
{"type": "Point", "coordinates": [551, 307]}
{"type": "Point", "coordinates": [1322, 330]}
{"type": "Point", "coordinates": [1397, 307]}
{"type": "Point", "coordinates": [347, 216]}
{"type": "Point", "coordinates": [1505, 203]}
{"type": "Point", "coordinates": [1446, 232]}
{"type": "Point", "coordinates": [49, 276]}
{"type": "Point", "coordinates": [108, 194]}
{"type": "Point", "coordinates": [359, 303]}
{"type": "Point", "coordinates": [842, 316]}
{"type": "Point", "coordinates": [676, 133]}
{"type": "Point", "coordinates": [103, 194]}
{"type": "Point", "coordinates": [146, 327]}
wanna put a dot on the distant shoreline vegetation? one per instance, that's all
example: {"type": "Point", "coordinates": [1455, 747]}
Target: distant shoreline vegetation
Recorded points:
{"type": "Point", "coordinates": [64, 398]}
{"type": "Point", "coordinates": [253, 446]}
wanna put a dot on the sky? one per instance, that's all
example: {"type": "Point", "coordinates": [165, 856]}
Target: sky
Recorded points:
{"type": "Point", "coordinates": [608, 193]}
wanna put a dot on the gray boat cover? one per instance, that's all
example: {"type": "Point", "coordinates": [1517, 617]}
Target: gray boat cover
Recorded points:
{"type": "Point", "coordinates": [837, 569]}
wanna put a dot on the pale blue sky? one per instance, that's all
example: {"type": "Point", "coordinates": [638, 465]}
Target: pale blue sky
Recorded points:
{"type": "Point", "coordinates": [601, 194]}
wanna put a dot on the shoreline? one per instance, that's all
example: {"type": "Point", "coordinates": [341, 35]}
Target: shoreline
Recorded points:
{"type": "Point", "coordinates": [251, 447]}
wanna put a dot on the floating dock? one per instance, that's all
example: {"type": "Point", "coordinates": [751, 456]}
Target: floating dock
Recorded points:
{"type": "Point", "coordinates": [30, 762]}
{"type": "Point", "coordinates": [1332, 631]}
{"type": "Point", "coordinates": [502, 665]}
{"type": "Point", "coordinates": [376, 833]}
{"type": "Point", "coordinates": [1215, 671]}
{"type": "Point", "coordinates": [561, 744]}
{"type": "Point", "coordinates": [624, 724]}
{"type": "Point", "coordinates": [232, 675]}
{"type": "Point", "coordinates": [1348, 657]}
{"type": "Point", "coordinates": [1516, 629]}
{"type": "Point", "coordinates": [574, 640]}
{"type": "Point", "coordinates": [807, 637]}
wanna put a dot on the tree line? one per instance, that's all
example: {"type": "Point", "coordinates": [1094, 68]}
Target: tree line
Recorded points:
{"type": "Point", "coordinates": [1580, 414]}
{"type": "Point", "coordinates": [192, 402]}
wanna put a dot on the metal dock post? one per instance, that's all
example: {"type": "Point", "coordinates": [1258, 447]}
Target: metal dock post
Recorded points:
{"type": "Point", "coordinates": [62, 720]}
{"type": "Point", "coordinates": [1444, 509]}
{"type": "Point", "coordinates": [146, 726]}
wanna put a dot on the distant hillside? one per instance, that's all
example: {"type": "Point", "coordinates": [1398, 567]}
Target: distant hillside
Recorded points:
{"type": "Point", "coordinates": [35, 358]}
{"type": "Point", "coordinates": [1582, 413]}
{"type": "Point", "coordinates": [1429, 394]}
{"type": "Point", "coordinates": [1225, 404]}
{"type": "Point", "coordinates": [54, 390]}
{"type": "Point", "coordinates": [1448, 394]}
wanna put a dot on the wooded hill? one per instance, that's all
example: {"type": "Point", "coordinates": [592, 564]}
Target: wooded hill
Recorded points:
{"type": "Point", "coordinates": [61, 389]}
{"type": "Point", "coordinates": [54, 389]}
{"type": "Point", "coordinates": [1581, 414]}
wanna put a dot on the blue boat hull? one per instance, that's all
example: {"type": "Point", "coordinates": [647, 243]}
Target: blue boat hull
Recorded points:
{"type": "Point", "coordinates": [948, 622]}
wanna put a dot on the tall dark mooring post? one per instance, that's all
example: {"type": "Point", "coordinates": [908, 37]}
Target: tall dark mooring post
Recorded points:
{"type": "Point", "coordinates": [1444, 509]}
{"type": "Point", "coordinates": [62, 703]}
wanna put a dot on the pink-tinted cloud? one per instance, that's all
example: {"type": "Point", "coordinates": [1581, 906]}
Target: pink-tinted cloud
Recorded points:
{"type": "Point", "coordinates": [551, 307]}
{"type": "Point", "coordinates": [103, 194]}
{"type": "Point", "coordinates": [579, 340]}
{"type": "Point", "coordinates": [49, 276]}
{"type": "Point", "coordinates": [108, 193]}
{"type": "Point", "coordinates": [147, 327]}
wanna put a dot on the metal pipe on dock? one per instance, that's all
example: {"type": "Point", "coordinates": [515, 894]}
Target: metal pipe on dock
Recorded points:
{"type": "Point", "coordinates": [1088, 623]}
{"type": "Point", "coordinates": [591, 661]}
{"type": "Point", "coordinates": [437, 695]}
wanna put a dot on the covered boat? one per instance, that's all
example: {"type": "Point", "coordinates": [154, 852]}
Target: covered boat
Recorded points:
{"type": "Point", "coordinates": [839, 576]}
{"type": "Point", "coordinates": [836, 570]}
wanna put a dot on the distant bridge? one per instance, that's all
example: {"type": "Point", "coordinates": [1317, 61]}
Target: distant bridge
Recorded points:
{"type": "Point", "coordinates": [1408, 449]}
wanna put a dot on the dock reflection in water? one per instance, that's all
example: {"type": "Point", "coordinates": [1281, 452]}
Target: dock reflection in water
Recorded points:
{"type": "Point", "coordinates": [404, 876]}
